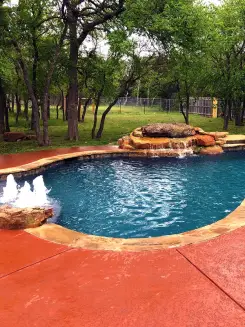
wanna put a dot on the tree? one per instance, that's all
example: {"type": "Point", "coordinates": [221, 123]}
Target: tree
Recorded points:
{"type": "Point", "coordinates": [83, 17]}
{"type": "Point", "coordinates": [41, 26]}
{"type": "Point", "coordinates": [177, 29]}
{"type": "Point", "coordinates": [226, 44]}
{"type": "Point", "coordinates": [6, 72]}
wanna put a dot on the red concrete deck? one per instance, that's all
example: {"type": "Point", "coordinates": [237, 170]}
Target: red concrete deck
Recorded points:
{"type": "Point", "coordinates": [45, 284]}
{"type": "Point", "coordinates": [18, 159]}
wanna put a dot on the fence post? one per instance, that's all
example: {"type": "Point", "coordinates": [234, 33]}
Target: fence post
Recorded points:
{"type": "Point", "coordinates": [215, 108]}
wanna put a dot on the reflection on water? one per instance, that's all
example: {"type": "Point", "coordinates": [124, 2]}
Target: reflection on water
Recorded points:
{"type": "Point", "coordinates": [146, 197]}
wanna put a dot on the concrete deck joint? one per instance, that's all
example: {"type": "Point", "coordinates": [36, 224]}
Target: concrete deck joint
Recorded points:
{"type": "Point", "coordinates": [35, 263]}
{"type": "Point", "coordinates": [211, 280]}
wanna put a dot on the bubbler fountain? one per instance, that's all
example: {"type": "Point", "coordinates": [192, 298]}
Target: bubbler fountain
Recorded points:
{"type": "Point", "coordinates": [23, 207]}
{"type": "Point", "coordinates": [173, 140]}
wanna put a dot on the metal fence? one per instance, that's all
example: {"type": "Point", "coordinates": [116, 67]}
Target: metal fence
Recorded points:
{"type": "Point", "coordinates": [201, 106]}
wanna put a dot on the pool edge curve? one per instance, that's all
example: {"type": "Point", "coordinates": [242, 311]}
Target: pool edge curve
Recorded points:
{"type": "Point", "coordinates": [58, 234]}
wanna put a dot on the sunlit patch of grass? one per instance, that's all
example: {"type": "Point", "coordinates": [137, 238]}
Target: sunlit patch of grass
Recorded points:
{"type": "Point", "coordinates": [117, 124]}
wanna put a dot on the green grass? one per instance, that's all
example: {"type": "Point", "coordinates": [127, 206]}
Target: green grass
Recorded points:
{"type": "Point", "coordinates": [117, 124]}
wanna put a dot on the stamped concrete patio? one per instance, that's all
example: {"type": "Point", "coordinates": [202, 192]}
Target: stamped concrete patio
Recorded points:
{"type": "Point", "coordinates": [48, 284]}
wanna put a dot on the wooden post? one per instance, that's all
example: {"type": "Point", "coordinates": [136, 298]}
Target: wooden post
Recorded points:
{"type": "Point", "coordinates": [215, 108]}
{"type": "Point", "coordinates": [93, 107]}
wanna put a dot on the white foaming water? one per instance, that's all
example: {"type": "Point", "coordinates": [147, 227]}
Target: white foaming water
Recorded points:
{"type": "Point", "coordinates": [10, 192]}
{"type": "Point", "coordinates": [25, 197]}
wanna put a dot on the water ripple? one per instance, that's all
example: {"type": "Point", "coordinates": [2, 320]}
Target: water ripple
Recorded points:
{"type": "Point", "coordinates": [146, 197]}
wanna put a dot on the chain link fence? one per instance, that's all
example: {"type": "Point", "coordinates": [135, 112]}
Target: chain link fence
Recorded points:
{"type": "Point", "coordinates": [201, 106]}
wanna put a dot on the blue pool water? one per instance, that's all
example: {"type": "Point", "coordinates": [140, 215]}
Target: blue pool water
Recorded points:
{"type": "Point", "coordinates": [146, 197]}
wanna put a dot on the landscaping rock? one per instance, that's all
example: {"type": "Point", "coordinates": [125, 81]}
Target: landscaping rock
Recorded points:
{"type": "Point", "coordinates": [221, 141]}
{"type": "Point", "coordinates": [205, 140]}
{"type": "Point", "coordinates": [17, 136]}
{"type": "Point", "coordinates": [21, 218]}
{"type": "Point", "coordinates": [216, 135]}
{"type": "Point", "coordinates": [123, 141]}
{"type": "Point", "coordinates": [14, 136]}
{"type": "Point", "coordinates": [211, 150]}
{"type": "Point", "coordinates": [168, 130]}
{"type": "Point", "coordinates": [199, 130]}
{"type": "Point", "coordinates": [219, 135]}
{"type": "Point", "coordinates": [145, 143]}
{"type": "Point", "coordinates": [138, 132]}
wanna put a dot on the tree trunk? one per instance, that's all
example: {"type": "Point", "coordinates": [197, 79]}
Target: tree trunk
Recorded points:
{"type": "Point", "coordinates": [243, 111]}
{"type": "Point", "coordinates": [102, 121]}
{"type": "Point", "coordinates": [7, 109]}
{"type": "Point", "coordinates": [66, 105]}
{"type": "Point", "coordinates": [45, 104]}
{"type": "Point", "coordinates": [48, 107]}
{"type": "Point", "coordinates": [26, 108]}
{"type": "Point", "coordinates": [34, 79]}
{"type": "Point", "coordinates": [95, 117]}
{"type": "Point", "coordinates": [187, 108]}
{"type": "Point", "coordinates": [85, 109]}
{"type": "Point", "coordinates": [12, 102]}
{"type": "Point", "coordinates": [2, 107]}
{"type": "Point", "coordinates": [227, 114]}
{"type": "Point", "coordinates": [57, 107]}
{"type": "Point", "coordinates": [230, 112]}
{"type": "Point", "coordinates": [96, 111]}
{"type": "Point", "coordinates": [63, 105]}
{"type": "Point", "coordinates": [181, 103]}
{"type": "Point", "coordinates": [187, 96]}
{"type": "Point", "coordinates": [30, 91]}
{"type": "Point", "coordinates": [79, 109]}
{"type": "Point", "coordinates": [18, 107]}
{"type": "Point", "coordinates": [73, 79]}
{"type": "Point", "coordinates": [237, 108]}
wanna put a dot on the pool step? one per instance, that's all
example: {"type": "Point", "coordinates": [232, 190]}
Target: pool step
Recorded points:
{"type": "Point", "coordinates": [235, 139]}
{"type": "Point", "coordinates": [234, 146]}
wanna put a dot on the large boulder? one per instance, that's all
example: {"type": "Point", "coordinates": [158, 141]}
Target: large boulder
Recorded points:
{"type": "Point", "coordinates": [21, 218]}
{"type": "Point", "coordinates": [14, 136]}
{"type": "Point", "coordinates": [17, 136]}
{"type": "Point", "coordinates": [205, 140]}
{"type": "Point", "coordinates": [168, 130]}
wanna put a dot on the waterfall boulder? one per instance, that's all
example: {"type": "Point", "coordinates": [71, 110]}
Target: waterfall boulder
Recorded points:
{"type": "Point", "coordinates": [168, 130]}
{"type": "Point", "coordinates": [21, 218]}
{"type": "Point", "coordinates": [125, 143]}
{"type": "Point", "coordinates": [211, 150]}
{"type": "Point", "coordinates": [163, 139]}
{"type": "Point", "coordinates": [205, 140]}
{"type": "Point", "coordinates": [138, 132]}
{"type": "Point", "coordinates": [216, 135]}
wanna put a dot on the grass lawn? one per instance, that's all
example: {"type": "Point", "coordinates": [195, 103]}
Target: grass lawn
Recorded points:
{"type": "Point", "coordinates": [117, 124]}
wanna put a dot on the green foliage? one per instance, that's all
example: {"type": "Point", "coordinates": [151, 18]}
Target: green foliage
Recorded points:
{"type": "Point", "coordinates": [190, 48]}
